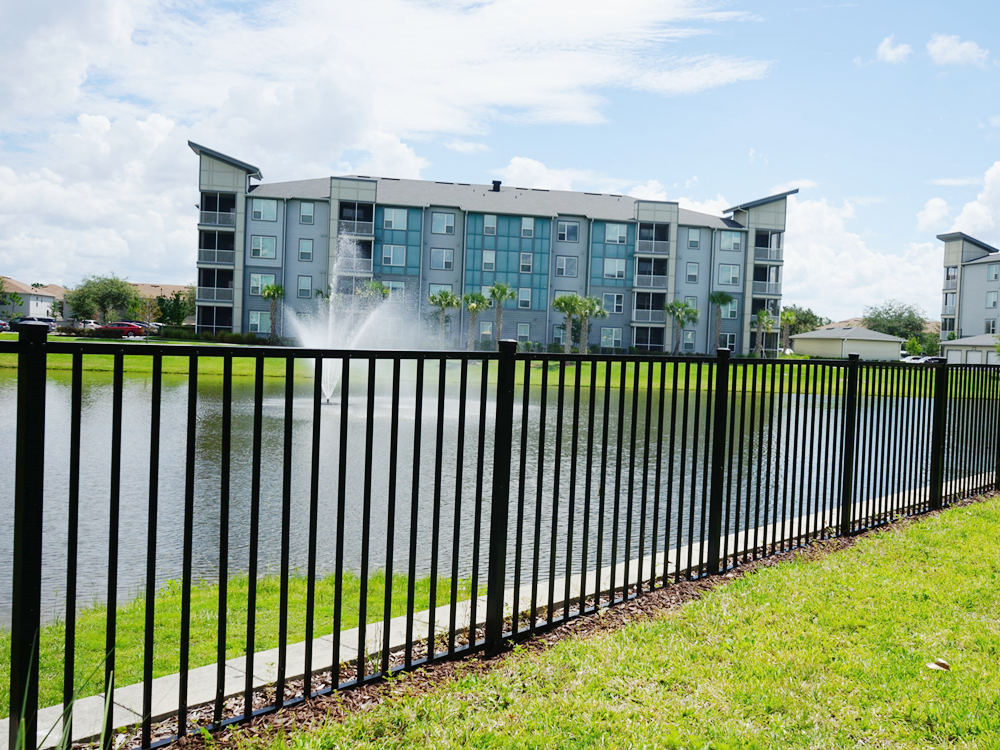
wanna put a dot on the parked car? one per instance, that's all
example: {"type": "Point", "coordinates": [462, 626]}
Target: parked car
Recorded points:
{"type": "Point", "coordinates": [917, 359]}
{"type": "Point", "coordinates": [88, 325]}
{"type": "Point", "coordinates": [124, 329]}
{"type": "Point", "coordinates": [4, 325]}
{"type": "Point", "coordinates": [51, 322]}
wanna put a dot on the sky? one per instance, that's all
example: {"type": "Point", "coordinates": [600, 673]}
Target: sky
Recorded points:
{"type": "Point", "coordinates": [887, 122]}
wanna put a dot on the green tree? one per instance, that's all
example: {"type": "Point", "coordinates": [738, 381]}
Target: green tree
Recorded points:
{"type": "Point", "coordinates": [895, 319]}
{"type": "Point", "coordinates": [273, 293]}
{"type": "Point", "coordinates": [765, 324]}
{"type": "Point", "coordinates": [176, 308]}
{"type": "Point", "coordinates": [444, 301]}
{"type": "Point", "coordinates": [103, 297]}
{"type": "Point", "coordinates": [788, 318]}
{"type": "Point", "coordinates": [931, 344]}
{"type": "Point", "coordinates": [805, 320]}
{"type": "Point", "coordinates": [590, 307]}
{"type": "Point", "coordinates": [501, 293]}
{"type": "Point", "coordinates": [720, 300]}
{"type": "Point", "coordinates": [682, 314]}
{"type": "Point", "coordinates": [371, 292]}
{"type": "Point", "coordinates": [475, 303]}
{"type": "Point", "coordinates": [913, 346]}
{"type": "Point", "coordinates": [569, 305]}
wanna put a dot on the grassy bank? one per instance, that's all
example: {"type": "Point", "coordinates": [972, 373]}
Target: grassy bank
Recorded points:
{"type": "Point", "coordinates": [828, 652]}
{"type": "Point", "coordinates": [130, 622]}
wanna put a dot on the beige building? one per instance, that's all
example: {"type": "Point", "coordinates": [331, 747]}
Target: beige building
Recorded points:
{"type": "Point", "coordinates": [36, 301]}
{"type": "Point", "coordinates": [837, 343]}
{"type": "Point", "coordinates": [972, 350]}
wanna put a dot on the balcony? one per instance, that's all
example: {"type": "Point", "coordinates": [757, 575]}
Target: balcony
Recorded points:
{"type": "Point", "coordinates": [218, 218]}
{"type": "Point", "coordinates": [649, 316]}
{"type": "Point", "coordinates": [767, 287]}
{"type": "Point", "coordinates": [353, 265]}
{"type": "Point", "coordinates": [647, 281]}
{"type": "Point", "coordinates": [214, 294]}
{"type": "Point", "coordinates": [950, 284]}
{"type": "Point", "coordinates": [357, 228]}
{"type": "Point", "coordinates": [948, 310]}
{"type": "Point", "coordinates": [655, 247]}
{"type": "Point", "coordinates": [217, 256]}
{"type": "Point", "coordinates": [768, 253]}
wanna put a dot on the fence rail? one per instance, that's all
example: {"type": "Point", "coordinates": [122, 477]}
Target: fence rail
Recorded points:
{"type": "Point", "coordinates": [388, 508]}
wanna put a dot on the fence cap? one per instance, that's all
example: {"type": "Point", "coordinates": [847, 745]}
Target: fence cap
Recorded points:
{"type": "Point", "coordinates": [34, 330]}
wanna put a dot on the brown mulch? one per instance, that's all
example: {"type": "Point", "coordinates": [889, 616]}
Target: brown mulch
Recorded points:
{"type": "Point", "coordinates": [340, 704]}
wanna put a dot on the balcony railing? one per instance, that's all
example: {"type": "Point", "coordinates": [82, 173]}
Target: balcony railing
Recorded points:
{"type": "Point", "coordinates": [354, 265]}
{"type": "Point", "coordinates": [768, 253]}
{"type": "Point", "coordinates": [648, 316]}
{"type": "Point", "coordinates": [219, 218]}
{"type": "Point", "coordinates": [767, 287]}
{"type": "Point", "coordinates": [359, 228]}
{"type": "Point", "coordinates": [217, 256]}
{"type": "Point", "coordinates": [645, 280]}
{"type": "Point", "coordinates": [215, 294]}
{"type": "Point", "coordinates": [657, 247]}
{"type": "Point", "coordinates": [950, 284]}
{"type": "Point", "coordinates": [948, 310]}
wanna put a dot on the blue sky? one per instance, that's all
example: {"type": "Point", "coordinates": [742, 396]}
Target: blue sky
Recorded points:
{"type": "Point", "coordinates": [885, 116]}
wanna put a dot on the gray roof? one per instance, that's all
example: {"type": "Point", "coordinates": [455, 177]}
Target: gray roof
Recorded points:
{"type": "Point", "coordinates": [483, 199]}
{"type": "Point", "coordinates": [983, 339]}
{"type": "Point", "coordinates": [972, 240]}
{"type": "Point", "coordinates": [855, 333]}
{"type": "Point", "coordinates": [249, 168]}
{"type": "Point", "coordinates": [761, 201]}
{"type": "Point", "coordinates": [984, 259]}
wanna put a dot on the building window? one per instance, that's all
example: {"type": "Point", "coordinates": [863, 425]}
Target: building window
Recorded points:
{"type": "Point", "coordinates": [306, 211]}
{"type": "Point", "coordinates": [258, 281]}
{"type": "Point", "coordinates": [525, 262]}
{"type": "Point", "coordinates": [614, 268]}
{"type": "Point", "coordinates": [951, 273]}
{"type": "Point", "coordinates": [305, 250]}
{"type": "Point", "coordinates": [485, 330]}
{"type": "Point", "coordinates": [729, 275]}
{"type": "Point", "coordinates": [566, 265]}
{"type": "Point", "coordinates": [489, 224]}
{"type": "Point", "coordinates": [991, 299]}
{"type": "Point", "coordinates": [433, 289]}
{"type": "Point", "coordinates": [559, 334]}
{"type": "Point", "coordinates": [947, 324]}
{"type": "Point", "coordinates": [305, 287]}
{"type": "Point", "coordinates": [616, 234]}
{"type": "Point", "coordinates": [949, 299]}
{"type": "Point", "coordinates": [727, 341]}
{"type": "Point", "coordinates": [486, 293]}
{"type": "Point", "coordinates": [730, 240]}
{"type": "Point", "coordinates": [568, 231]}
{"type": "Point", "coordinates": [692, 273]}
{"type": "Point", "coordinates": [992, 271]}
{"type": "Point", "coordinates": [394, 218]}
{"type": "Point", "coordinates": [693, 301]}
{"type": "Point", "coordinates": [264, 210]}
{"type": "Point", "coordinates": [260, 322]}
{"type": "Point", "coordinates": [527, 227]}
{"type": "Point", "coordinates": [489, 260]}
{"type": "Point", "coordinates": [524, 297]}
{"type": "Point", "coordinates": [523, 332]}
{"type": "Point", "coordinates": [262, 247]}
{"type": "Point", "coordinates": [442, 223]}
{"type": "Point", "coordinates": [611, 338]}
{"type": "Point", "coordinates": [991, 326]}
{"type": "Point", "coordinates": [689, 341]}
{"type": "Point", "coordinates": [614, 303]}
{"type": "Point", "coordinates": [395, 287]}
{"type": "Point", "coordinates": [393, 255]}
{"type": "Point", "coordinates": [694, 238]}
{"type": "Point", "coordinates": [442, 259]}
{"type": "Point", "coordinates": [729, 310]}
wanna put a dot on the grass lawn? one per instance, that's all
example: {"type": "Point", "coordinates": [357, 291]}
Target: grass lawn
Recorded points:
{"type": "Point", "coordinates": [828, 652]}
{"type": "Point", "coordinates": [91, 628]}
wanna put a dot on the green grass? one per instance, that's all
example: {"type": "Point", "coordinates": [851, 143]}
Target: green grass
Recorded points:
{"type": "Point", "coordinates": [130, 622]}
{"type": "Point", "coordinates": [814, 653]}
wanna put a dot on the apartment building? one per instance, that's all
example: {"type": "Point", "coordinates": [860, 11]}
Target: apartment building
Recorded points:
{"type": "Point", "coordinates": [970, 288]}
{"type": "Point", "coordinates": [418, 237]}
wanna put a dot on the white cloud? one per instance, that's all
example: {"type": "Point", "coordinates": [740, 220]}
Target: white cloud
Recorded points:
{"type": "Point", "coordinates": [981, 217]}
{"type": "Point", "coordinates": [466, 147]}
{"type": "Point", "coordinates": [948, 49]}
{"type": "Point", "coordinates": [936, 211]}
{"type": "Point", "coordinates": [650, 190]}
{"type": "Point", "coordinates": [834, 272]}
{"type": "Point", "coordinates": [714, 206]}
{"type": "Point", "coordinates": [530, 173]}
{"type": "Point", "coordinates": [956, 181]}
{"type": "Point", "coordinates": [890, 53]}
{"type": "Point", "coordinates": [784, 187]}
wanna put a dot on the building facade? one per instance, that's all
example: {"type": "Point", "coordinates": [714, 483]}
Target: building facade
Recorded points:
{"type": "Point", "coordinates": [970, 287]}
{"type": "Point", "coordinates": [333, 234]}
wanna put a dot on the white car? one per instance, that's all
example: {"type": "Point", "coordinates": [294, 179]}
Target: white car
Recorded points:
{"type": "Point", "coordinates": [88, 325]}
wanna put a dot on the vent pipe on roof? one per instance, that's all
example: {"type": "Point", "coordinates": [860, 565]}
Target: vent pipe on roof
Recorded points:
{"type": "Point", "coordinates": [496, 186]}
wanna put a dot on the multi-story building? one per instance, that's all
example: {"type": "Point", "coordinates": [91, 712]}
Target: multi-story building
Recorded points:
{"type": "Point", "coordinates": [970, 287]}
{"type": "Point", "coordinates": [418, 237]}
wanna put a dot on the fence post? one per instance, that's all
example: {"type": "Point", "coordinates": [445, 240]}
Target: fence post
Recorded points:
{"type": "Point", "coordinates": [937, 434]}
{"type": "Point", "coordinates": [500, 498]}
{"type": "Point", "coordinates": [850, 423]}
{"type": "Point", "coordinates": [719, 414]}
{"type": "Point", "coordinates": [27, 584]}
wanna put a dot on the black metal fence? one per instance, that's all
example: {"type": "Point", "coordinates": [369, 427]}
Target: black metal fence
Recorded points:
{"type": "Point", "coordinates": [425, 504]}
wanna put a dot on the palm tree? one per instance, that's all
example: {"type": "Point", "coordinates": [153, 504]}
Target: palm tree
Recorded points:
{"type": "Point", "coordinates": [501, 293]}
{"type": "Point", "coordinates": [475, 303]}
{"type": "Point", "coordinates": [682, 313]}
{"type": "Point", "coordinates": [788, 319]}
{"type": "Point", "coordinates": [444, 300]}
{"type": "Point", "coordinates": [765, 324]}
{"type": "Point", "coordinates": [720, 300]}
{"type": "Point", "coordinates": [569, 305]}
{"type": "Point", "coordinates": [591, 307]}
{"type": "Point", "coordinates": [272, 293]}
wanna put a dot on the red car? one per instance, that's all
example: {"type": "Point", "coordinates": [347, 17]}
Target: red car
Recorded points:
{"type": "Point", "coordinates": [123, 329]}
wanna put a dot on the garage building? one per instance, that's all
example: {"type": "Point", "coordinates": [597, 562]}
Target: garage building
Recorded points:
{"type": "Point", "coordinates": [837, 343]}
